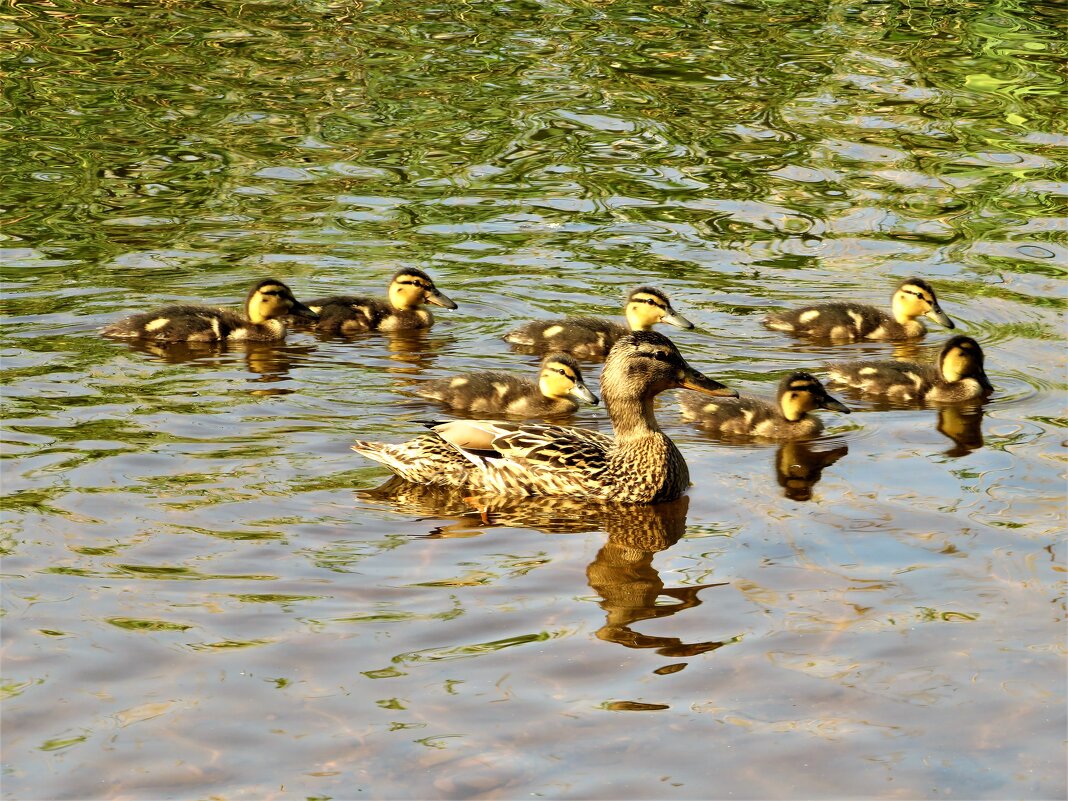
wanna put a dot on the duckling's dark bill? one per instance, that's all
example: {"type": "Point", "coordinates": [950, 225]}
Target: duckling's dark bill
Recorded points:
{"type": "Point", "coordinates": [941, 317]}
{"type": "Point", "coordinates": [677, 320]}
{"type": "Point", "coordinates": [702, 383]}
{"type": "Point", "coordinates": [298, 309]}
{"type": "Point", "coordinates": [835, 405]}
{"type": "Point", "coordinates": [438, 299]}
{"type": "Point", "coordinates": [581, 392]}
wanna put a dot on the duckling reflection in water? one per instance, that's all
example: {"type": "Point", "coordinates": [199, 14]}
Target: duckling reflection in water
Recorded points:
{"type": "Point", "coordinates": [799, 466]}
{"type": "Point", "coordinates": [964, 425]}
{"type": "Point", "coordinates": [850, 322]}
{"type": "Point", "coordinates": [270, 361]}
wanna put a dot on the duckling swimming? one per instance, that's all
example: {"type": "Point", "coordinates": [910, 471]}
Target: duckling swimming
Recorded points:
{"type": "Point", "coordinates": [639, 465]}
{"type": "Point", "coordinates": [789, 419]}
{"type": "Point", "coordinates": [593, 337]}
{"type": "Point", "coordinates": [353, 314]}
{"type": "Point", "coordinates": [557, 392]}
{"type": "Point", "coordinates": [268, 302]}
{"type": "Point", "coordinates": [959, 375]}
{"type": "Point", "coordinates": [849, 322]}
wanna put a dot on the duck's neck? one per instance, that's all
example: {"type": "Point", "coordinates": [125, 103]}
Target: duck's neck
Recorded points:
{"type": "Point", "coordinates": [632, 417]}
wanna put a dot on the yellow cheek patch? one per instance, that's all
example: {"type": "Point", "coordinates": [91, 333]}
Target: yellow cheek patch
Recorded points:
{"type": "Point", "coordinates": [809, 316]}
{"type": "Point", "coordinates": [157, 324]}
{"type": "Point", "coordinates": [552, 331]}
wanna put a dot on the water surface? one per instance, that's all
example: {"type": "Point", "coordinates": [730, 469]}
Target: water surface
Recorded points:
{"type": "Point", "coordinates": [204, 598]}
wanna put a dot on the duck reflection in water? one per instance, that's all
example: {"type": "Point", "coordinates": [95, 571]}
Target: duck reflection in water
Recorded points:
{"type": "Point", "coordinates": [622, 574]}
{"type": "Point", "coordinates": [270, 361]}
{"type": "Point", "coordinates": [964, 425]}
{"type": "Point", "coordinates": [798, 466]}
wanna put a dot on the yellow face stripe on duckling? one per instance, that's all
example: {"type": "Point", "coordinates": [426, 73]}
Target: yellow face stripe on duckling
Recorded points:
{"type": "Point", "coordinates": [407, 290]}
{"type": "Point", "coordinates": [268, 302]}
{"type": "Point", "coordinates": [557, 380]}
{"type": "Point", "coordinates": [645, 310]}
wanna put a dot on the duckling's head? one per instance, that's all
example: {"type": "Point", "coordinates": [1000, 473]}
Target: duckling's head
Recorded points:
{"type": "Point", "coordinates": [561, 378]}
{"type": "Point", "coordinates": [644, 363]}
{"type": "Point", "coordinates": [271, 299]}
{"type": "Point", "coordinates": [962, 358]}
{"type": "Point", "coordinates": [647, 306]}
{"type": "Point", "coordinates": [916, 298]}
{"type": "Point", "coordinates": [411, 287]}
{"type": "Point", "coordinates": [800, 393]}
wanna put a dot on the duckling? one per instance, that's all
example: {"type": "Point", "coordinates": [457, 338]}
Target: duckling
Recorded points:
{"type": "Point", "coordinates": [959, 375]}
{"type": "Point", "coordinates": [266, 306]}
{"type": "Point", "coordinates": [798, 394]}
{"type": "Point", "coordinates": [557, 392]}
{"type": "Point", "coordinates": [593, 337]}
{"type": "Point", "coordinates": [849, 322]}
{"type": "Point", "coordinates": [353, 314]}
{"type": "Point", "coordinates": [639, 465]}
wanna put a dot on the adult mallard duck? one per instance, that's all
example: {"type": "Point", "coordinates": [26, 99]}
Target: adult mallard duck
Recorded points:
{"type": "Point", "coordinates": [353, 314]}
{"type": "Point", "coordinates": [849, 322]}
{"type": "Point", "coordinates": [266, 306]}
{"type": "Point", "coordinates": [639, 465]}
{"type": "Point", "coordinates": [593, 337]}
{"type": "Point", "coordinates": [959, 375]}
{"type": "Point", "coordinates": [799, 393]}
{"type": "Point", "coordinates": [559, 389]}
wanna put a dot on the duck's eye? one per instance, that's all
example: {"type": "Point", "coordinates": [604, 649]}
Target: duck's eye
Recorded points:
{"type": "Point", "coordinates": [650, 301]}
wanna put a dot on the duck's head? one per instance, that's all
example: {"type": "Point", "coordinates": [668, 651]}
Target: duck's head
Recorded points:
{"type": "Point", "coordinates": [800, 393]}
{"type": "Point", "coordinates": [561, 377]}
{"type": "Point", "coordinates": [962, 358]}
{"type": "Point", "coordinates": [643, 364]}
{"type": "Point", "coordinates": [647, 306]}
{"type": "Point", "coordinates": [271, 299]}
{"type": "Point", "coordinates": [411, 287]}
{"type": "Point", "coordinates": [916, 298]}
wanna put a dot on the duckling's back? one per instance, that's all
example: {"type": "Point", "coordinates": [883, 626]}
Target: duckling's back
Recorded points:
{"type": "Point", "coordinates": [181, 323]}
{"type": "Point", "coordinates": [902, 381]}
{"type": "Point", "coordinates": [494, 393]}
{"type": "Point", "coordinates": [836, 321]}
{"type": "Point", "coordinates": [745, 417]}
{"type": "Point", "coordinates": [583, 337]}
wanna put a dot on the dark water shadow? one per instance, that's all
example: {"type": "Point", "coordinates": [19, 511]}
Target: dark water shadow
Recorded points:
{"type": "Point", "coordinates": [270, 362]}
{"type": "Point", "coordinates": [799, 466]}
{"type": "Point", "coordinates": [964, 425]}
{"type": "Point", "coordinates": [413, 351]}
{"type": "Point", "coordinates": [622, 573]}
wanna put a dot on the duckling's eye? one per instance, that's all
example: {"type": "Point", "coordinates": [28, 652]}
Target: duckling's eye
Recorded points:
{"type": "Point", "coordinates": [650, 301]}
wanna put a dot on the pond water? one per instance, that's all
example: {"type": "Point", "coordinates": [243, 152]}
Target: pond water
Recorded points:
{"type": "Point", "coordinates": [205, 596]}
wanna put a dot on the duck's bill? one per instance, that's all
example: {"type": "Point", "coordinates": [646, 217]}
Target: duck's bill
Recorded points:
{"type": "Point", "coordinates": [940, 317]}
{"type": "Point", "coordinates": [581, 392]}
{"type": "Point", "coordinates": [677, 320]}
{"type": "Point", "coordinates": [439, 299]}
{"type": "Point", "coordinates": [834, 405]}
{"type": "Point", "coordinates": [691, 379]}
{"type": "Point", "coordinates": [984, 382]}
{"type": "Point", "coordinates": [298, 309]}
